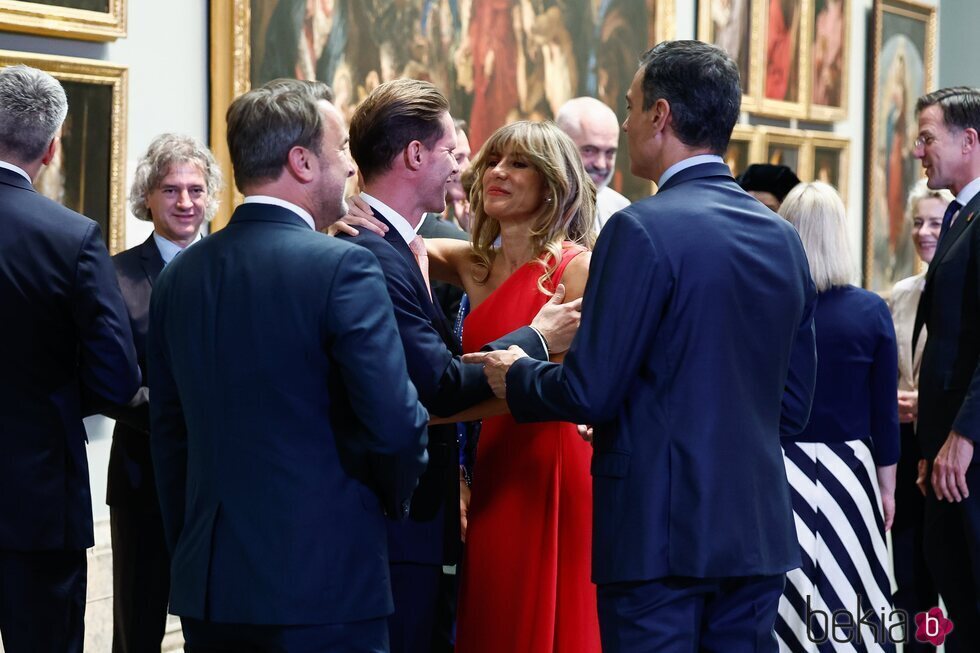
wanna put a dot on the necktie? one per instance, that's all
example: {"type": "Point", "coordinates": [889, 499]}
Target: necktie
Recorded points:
{"type": "Point", "coordinates": [417, 245]}
{"type": "Point", "coordinates": [951, 210]}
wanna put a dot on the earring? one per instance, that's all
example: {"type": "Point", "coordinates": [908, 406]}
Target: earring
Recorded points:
{"type": "Point", "coordinates": [547, 200]}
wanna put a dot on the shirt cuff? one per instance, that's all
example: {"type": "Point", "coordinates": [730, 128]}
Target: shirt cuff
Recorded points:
{"type": "Point", "coordinates": [544, 343]}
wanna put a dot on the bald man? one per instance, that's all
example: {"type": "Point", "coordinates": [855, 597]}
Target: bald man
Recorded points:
{"type": "Point", "coordinates": [594, 128]}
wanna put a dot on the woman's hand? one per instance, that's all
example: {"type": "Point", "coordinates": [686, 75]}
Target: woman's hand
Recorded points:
{"type": "Point", "coordinates": [908, 406]}
{"type": "Point", "coordinates": [359, 214]}
{"type": "Point", "coordinates": [886, 484]}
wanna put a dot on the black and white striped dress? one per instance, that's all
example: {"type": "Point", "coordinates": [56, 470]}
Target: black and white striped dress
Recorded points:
{"type": "Point", "coordinates": [837, 507]}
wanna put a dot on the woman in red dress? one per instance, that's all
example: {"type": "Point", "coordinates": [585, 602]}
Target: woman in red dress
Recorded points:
{"type": "Point", "coordinates": [526, 579]}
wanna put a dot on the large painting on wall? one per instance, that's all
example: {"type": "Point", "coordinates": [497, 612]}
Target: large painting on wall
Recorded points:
{"type": "Point", "coordinates": [93, 20]}
{"type": "Point", "coordinates": [828, 60]}
{"type": "Point", "coordinates": [496, 60]}
{"type": "Point", "coordinates": [88, 171]}
{"type": "Point", "coordinates": [785, 58]}
{"type": "Point", "coordinates": [734, 26]}
{"type": "Point", "coordinates": [901, 70]}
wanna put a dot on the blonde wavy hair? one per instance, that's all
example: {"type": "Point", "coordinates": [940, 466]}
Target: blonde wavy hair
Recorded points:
{"type": "Point", "coordinates": [570, 215]}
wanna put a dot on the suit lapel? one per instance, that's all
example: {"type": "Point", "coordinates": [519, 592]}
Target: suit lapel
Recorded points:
{"type": "Point", "coordinates": [150, 259]}
{"type": "Point", "coordinates": [963, 222]}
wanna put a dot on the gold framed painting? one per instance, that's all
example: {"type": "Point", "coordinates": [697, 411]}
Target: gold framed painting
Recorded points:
{"type": "Point", "coordinates": [826, 158]}
{"type": "Point", "coordinates": [782, 83]}
{"type": "Point", "coordinates": [88, 172]}
{"type": "Point", "coordinates": [743, 149]}
{"type": "Point", "coordinates": [828, 57]}
{"type": "Point", "coordinates": [736, 27]}
{"type": "Point", "coordinates": [91, 20]}
{"type": "Point", "coordinates": [901, 69]}
{"type": "Point", "coordinates": [495, 67]}
{"type": "Point", "coordinates": [783, 147]}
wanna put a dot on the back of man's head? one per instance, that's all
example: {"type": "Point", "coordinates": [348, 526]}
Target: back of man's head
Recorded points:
{"type": "Point", "coordinates": [392, 116]}
{"type": "Point", "coordinates": [960, 106]}
{"type": "Point", "coordinates": [700, 83]}
{"type": "Point", "coordinates": [265, 123]}
{"type": "Point", "coordinates": [33, 107]}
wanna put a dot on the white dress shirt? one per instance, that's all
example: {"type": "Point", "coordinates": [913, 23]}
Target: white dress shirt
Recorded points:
{"type": "Point", "coordinates": [275, 201]}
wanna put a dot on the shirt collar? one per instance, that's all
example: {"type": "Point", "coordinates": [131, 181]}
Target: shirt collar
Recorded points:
{"type": "Point", "coordinates": [968, 192]}
{"type": "Point", "coordinates": [276, 201]}
{"type": "Point", "coordinates": [688, 163]}
{"type": "Point", "coordinates": [169, 249]}
{"type": "Point", "coordinates": [20, 171]}
{"type": "Point", "coordinates": [405, 230]}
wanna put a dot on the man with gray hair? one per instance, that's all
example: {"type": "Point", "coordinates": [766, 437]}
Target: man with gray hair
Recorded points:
{"type": "Point", "coordinates": [175, 187]}
{"type": "Point", "coordinates": [282, 417]}
{"type": "Point", "coordinates": [594, 129]}
{"type": "Point", "coordinates": [66, 352]}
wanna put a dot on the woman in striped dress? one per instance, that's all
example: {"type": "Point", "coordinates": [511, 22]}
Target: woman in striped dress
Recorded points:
{"type": "Point", "coordinates": [841, 468]}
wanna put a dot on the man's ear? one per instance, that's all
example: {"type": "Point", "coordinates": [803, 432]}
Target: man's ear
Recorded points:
{"type": "Point", "coordinates": [299, 163]}
{"type": "Point", "coordinates": [659, 114]}
{"type": "Point", "coordinates": [413, 155]}
{"type": "Point", "coordinates": [970, 140]}
{"type": "Point", "coordinates": [51, 150]}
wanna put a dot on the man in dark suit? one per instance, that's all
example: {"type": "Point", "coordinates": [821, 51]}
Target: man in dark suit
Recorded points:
{"type": "Point", "coordinates": [175, 186]}
{"type": "Point", "coordinates": [949, 378]}
{"type": "Point", "coordinates": [403, 140]}
{"type": "Point", "coordinates": [693, 526]}
{"type": "Point", "coordinates": [66, 352]}
{"type": "Point", "coordinates": [282, 418]}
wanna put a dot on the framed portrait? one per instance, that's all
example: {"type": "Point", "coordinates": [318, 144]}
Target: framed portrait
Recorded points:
{"type": "Point", "coordinates": [88, 172]}
{"type": "Point", "coordinates": [783, 147]}
{"type": "Point", "coordinates": [784, 82]}
{"type": "Point", "coordinates": [735, 26]}
{"type": "Point", "coordinates": [826, 159]}
{"type": "Point", "coordinates": [92, 20]}
{"type": "Point", "coordinates": [901, 69]}
{"type": "Point", "coordinates": [496, 60]}
{"type": "Point", "coordinates": [743, 149]}
{"type": "Point", "coordinates": [828, 69]}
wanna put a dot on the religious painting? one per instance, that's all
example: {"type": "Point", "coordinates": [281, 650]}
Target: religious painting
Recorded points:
{"type": "Point", "coordinates": [827, 161]}
{"type": "Point", "coordinates": [785, 58]}
{"type": "Point", "coordinates": [783, 147]}
{"type": "Point", "coordinates": [734, 26]}
{"type": "Point", "coordinates": [496, 60]}
{"type": "Point", "coordinates": [92, 20]}
{"type": "Point", "coordinates": [828, 60]}
{"type": "Point", "coordinates": [742, 149]}
{"type": "Point", "coordinates": [901, 66]}
{"type": "Point", "coordinates": [87, 173]}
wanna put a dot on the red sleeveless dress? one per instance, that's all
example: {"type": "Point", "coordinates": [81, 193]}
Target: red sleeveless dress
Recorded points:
{"type": "Point", "coordinates": [525, 582]}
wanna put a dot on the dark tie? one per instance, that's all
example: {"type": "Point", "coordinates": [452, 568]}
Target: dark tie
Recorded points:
{"type": "Point", "coordinates": [951, 210]}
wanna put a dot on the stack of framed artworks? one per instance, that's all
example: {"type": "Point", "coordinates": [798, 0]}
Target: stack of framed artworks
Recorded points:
{"type": "Point", "coordinates": [88, 172]}
{"type": "Point", "coordinates": [794, 61]}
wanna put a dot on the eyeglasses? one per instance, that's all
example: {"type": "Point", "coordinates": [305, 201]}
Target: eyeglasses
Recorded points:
{"type": "Point", "coordinates": [922, 141]}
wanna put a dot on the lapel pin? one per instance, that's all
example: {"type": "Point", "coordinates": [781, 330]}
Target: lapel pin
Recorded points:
{"type": "Point", "coordinates": [970, 217]}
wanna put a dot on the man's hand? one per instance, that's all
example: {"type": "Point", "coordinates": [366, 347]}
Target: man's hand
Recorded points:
{"type": "Point", "coordinates": [949, 468]}
{"type": "Point", "coordinates": [908, 406]}
{"type": "Point", "coordinates": [359, 214]}
{"type": "Point", "coordinates": [558, 322]}
{"type": "Point", "coordinates": [585, 432]}
{"type": "Point", "coordinates": [495, 366]}
{"type": "Point", "coordinates": [922, 477]}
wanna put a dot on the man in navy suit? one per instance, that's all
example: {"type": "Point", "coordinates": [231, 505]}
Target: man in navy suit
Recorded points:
{"type": "Point", "coordinates": [282, 419]}
{"type": "Point", "coordinates": [403, 140]}
{"type": "Point", "coordinates": [66, 352]}
{"type": "Point", "coordinates": [696, 351]}
{"type": "Point", "coordinates": [949, 378]}
{"type": "Point", "coordinates": [175, 186]}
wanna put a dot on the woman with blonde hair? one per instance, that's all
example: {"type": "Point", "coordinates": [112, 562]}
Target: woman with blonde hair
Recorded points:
{"type": "Point", "coordinates": [525, 583]}
{"type": "Point", "coordinates": [841, 468]}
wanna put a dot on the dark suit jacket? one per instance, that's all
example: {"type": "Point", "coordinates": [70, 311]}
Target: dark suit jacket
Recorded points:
{"type": "Point", "coordinates": [67, 351]}
{"type": "Point", "coordinates": [949, 379]}
{"type": "Point", "coordinates": [446, 386]}
{"type": "Point", "coordinates": [273, 382]}
{"type": "Point", "coordinates": [446, 294]}
{"type": "Point", "coordinates": [130, 481]}
{"type": "Point", "coordinates": [696, 350]}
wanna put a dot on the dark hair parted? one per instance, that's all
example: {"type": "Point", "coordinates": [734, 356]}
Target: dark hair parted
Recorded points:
{"type": "Point", "coordinates": [960, 106]}
{"type": "Point", "coordinates": [265, 123]}
{"type": "Point", "coordinates": [392, 116]}
{"type": "Point", "coordinates": [700, 83]}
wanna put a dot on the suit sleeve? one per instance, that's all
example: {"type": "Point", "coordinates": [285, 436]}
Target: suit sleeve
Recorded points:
{"type": "Point", "coordinates": [801, 377]}
{"type": "Point", "coordinates": [108, 366]}
{"type": "Point", "coordinates": [587, 387]}
{"type": "Point", "coordinates": [362, 337]}
{"type": "Point", "coordinates": [168, 429]}
{"type": "Point", "coordinates": [967, 422]}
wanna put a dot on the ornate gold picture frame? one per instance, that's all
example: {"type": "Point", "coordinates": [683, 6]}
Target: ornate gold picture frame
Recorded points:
{"type": "Point", "coordinates": [829, 62]}
{"type": "Point", "coordinates": [736, 27]}
{"type": "Point", "coordinates": [901, 67]}
{"type": "Point", "coordinates": [91, 20]}
{"type": "Point", "coordinates": [88, 174]}
{"type": "Point", "coordinates": [826, 158]}
{"type": "Point", "coordinates": [783, 147]}
{"type": "Point", "coordinates": [782, 83]}
{"type": "Point", "coordinates": [744, 149]}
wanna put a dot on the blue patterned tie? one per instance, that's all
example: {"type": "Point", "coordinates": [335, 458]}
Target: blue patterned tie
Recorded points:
{"type": "Point", "coordinates": [951, 210]}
